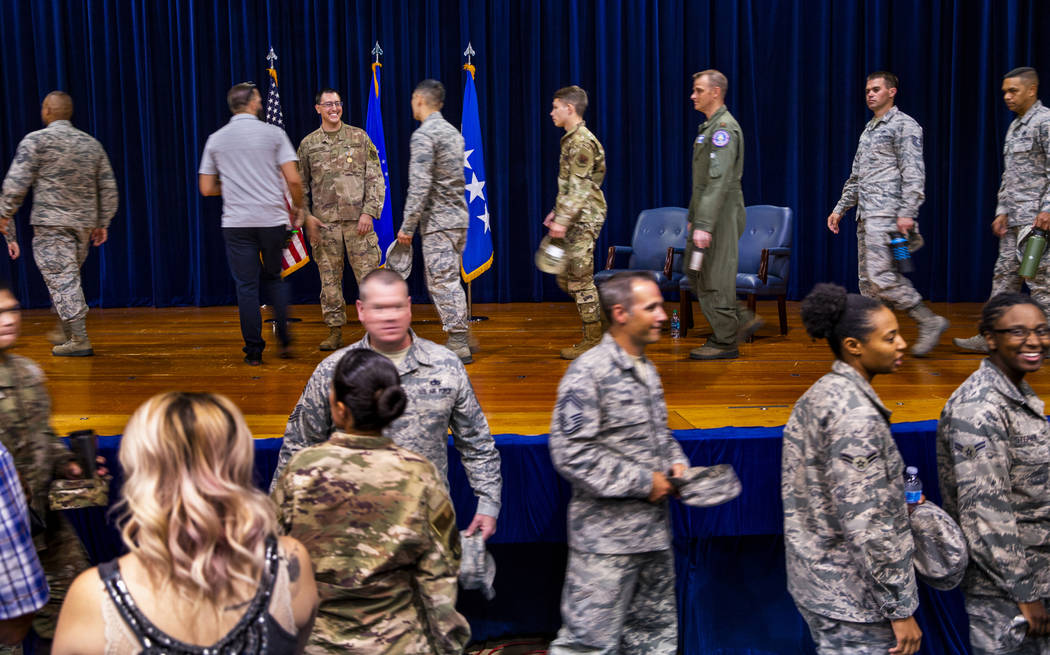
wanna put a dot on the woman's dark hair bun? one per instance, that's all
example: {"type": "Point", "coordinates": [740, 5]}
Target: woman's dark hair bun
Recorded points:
{"type": "Point", "coordinates": [822, 309]}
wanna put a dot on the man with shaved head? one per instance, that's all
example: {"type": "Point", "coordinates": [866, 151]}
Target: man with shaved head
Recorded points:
{"type": "Point", "coordinates": [1024, 194]}
{"type": "Point", "coordinates": [74, 200]}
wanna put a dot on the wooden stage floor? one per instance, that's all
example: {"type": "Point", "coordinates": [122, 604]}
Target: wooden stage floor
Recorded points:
{"type": "Point", "coordinates": [143, 351]}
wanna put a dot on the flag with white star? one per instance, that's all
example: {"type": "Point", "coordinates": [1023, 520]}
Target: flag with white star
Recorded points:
{"type": "Point", "coordinates": [477, 256]}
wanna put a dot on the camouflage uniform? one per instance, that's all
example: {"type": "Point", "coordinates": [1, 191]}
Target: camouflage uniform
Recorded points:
{"type": "Point", "coordinates": [847, 540]}
{"type": "Point", "coordinates": [993, 452]}
{"type": "Point", "coordinates": [440, 398]}
{"type": "Point", "coordinates": [1023, 193]}
{"type": "Point", "coordinates": [608, 436]}
{"type": "Point", "coordinates": [342, 179]}
{"type": "Point", "coordinates": [74, 192]}
{"type": "Point", "coordinates": [437, 204]}
{"type": "Point", "coordinates": [25, 430]}
{"type": "Point", "coordinates": [717, 206]}
{"type": "Point", "coordinates": [581, 208]}
{"type": "Point", "coordinates": [381, 531]}
{"type": "Point", "coordinates": [886, 183]}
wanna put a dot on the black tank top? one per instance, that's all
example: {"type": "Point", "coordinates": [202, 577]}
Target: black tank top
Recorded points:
{"type": "Point", "coordinates": [257, 632]}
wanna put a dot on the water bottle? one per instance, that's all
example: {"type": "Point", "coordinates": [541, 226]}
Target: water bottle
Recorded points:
{"type": "Point", "coordinates": [912, 486]}
{"type": "Point", "coordinates": [900, 252]}
{"type": "Point", "coordinates": [1034, 247]}
{"type": "Point", "coordinates": [696, 260]}
{"type": "Point", "coordinates": [676, 324]}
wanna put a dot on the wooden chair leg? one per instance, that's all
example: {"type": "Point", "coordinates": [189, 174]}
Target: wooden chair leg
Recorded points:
{"type": "Point", "coordinates": [751, 305]}
{"type": "Point", "coordinates": [782, 310]}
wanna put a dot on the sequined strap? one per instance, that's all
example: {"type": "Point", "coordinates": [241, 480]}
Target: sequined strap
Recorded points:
{"type": "Point", "coordinates": [248, 637]}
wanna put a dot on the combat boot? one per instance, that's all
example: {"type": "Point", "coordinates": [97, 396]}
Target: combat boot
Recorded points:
{"type": "Point", "coordinates": [78, 344]}
{"type": "Point", "coordinates": [459, 343]}
{"type": "Point", "coordinates": [59, 334]}
{"type": "Point", "coordinates": [975, 344]}
{"type": "Point", "coordinates": [334, 340]}
{"type": "Point", "coordinates": [931, 327]}
{"type": "Point", "coordinates": [592, 336]}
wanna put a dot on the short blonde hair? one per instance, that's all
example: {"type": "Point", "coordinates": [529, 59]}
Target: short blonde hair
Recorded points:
{"type": "Point", "coordinates": [189, 509]}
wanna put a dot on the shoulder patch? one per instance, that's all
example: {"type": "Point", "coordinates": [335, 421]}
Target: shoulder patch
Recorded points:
{"type": "Point", "coordinates": [916, 141]}
{"type": "Point", "coordinates": [720, 138]}
{"type": "Point", "coordinates": [971, 451]}
{"type": "Point", "coordinates": [582, 162]}
{"type": "Point", "coordinates": [570, 412]}
{"type": "Point", "coordinates": [861, 462]}
{"type": "Point", "coordinates": [700, 139]}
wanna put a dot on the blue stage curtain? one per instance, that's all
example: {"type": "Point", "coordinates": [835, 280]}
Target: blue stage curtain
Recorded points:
{"type": "Point", "coordinates": [729, 560]}
{"type": "Point", "coordinates": [149, 79]}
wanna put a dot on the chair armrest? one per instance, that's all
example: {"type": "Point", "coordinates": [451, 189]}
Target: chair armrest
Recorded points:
{"type": "Point", "coordinates": [610, 259]}
{"type": "Point", "coordinates": [779, 252]}
{"type": "Point", "coordinates": [763, 266]}
{"type": "Point", "coordinates": [669, 260]}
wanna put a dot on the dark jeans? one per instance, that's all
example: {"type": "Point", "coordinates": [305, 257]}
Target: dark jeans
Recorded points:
{"type": "Point", "coordinates": [244, 245]}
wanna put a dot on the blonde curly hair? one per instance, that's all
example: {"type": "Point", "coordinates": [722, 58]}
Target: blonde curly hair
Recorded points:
{"type": "Point", "coordinates": [189, 509]}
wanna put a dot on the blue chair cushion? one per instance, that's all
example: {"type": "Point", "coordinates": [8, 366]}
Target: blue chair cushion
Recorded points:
{"type": "Point", "coordinates": [750, 283]}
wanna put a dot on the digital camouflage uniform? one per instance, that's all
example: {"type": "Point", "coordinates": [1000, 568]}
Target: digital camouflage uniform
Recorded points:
{"type": "Point", "coordinates": [1023, 193]}
{"type": "Point", "coordinates": [436, 204]}
{"type": "Point", "coordinates": [886, 183]}
{"type": "Point", "coordinates": [381, 531]}
{"type": "Point", "coordinates": [993, 459]}
{"type": "Point", "coordinates": [608, 436]}
{"type": "Point", "coordinates": [25, 430]}
{"type": "Point", "coordinates": [580, 207]}
{"type": "Point", "coordinates": [717, 206]}
{"type": "Point", "coordinates": [847, 539]}
{"type": "Point", "coordinates": [440, 397]}
{"type": "Point", "coordinates": [74, 192]}
{"type": "Point", "coordinates": [342, 179]}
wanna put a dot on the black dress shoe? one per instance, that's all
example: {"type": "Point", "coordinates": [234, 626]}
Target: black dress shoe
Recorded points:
{"type": "Point", "coordinates": [253, 360]}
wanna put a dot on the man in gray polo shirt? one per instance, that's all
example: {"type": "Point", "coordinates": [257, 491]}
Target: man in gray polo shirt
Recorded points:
{"type": "Point", "coordinates": [254, 161]}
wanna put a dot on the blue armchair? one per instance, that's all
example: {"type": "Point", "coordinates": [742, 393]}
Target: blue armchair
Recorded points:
{"type": "Point", "coordinates": [658, 234]}
{"type": "Point", "coordinates": [764, 262]}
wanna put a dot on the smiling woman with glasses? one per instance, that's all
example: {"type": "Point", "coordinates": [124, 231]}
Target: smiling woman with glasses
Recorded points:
{"type": "Point", "coordinates": [993, 451]}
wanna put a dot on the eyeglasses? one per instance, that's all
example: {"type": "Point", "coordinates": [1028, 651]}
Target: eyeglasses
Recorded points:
{"type": "Point", "coordinates": [331, 105]}
{"type": "Point", "coordinates": [1019, 333]}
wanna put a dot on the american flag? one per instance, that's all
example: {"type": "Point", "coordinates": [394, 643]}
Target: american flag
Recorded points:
{"type": "Point", "coordinates": [294, 255]}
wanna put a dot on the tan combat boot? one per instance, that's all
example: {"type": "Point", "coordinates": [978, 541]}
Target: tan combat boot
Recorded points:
{"type": "Point", "coordinates": [459, 343]}
{"type": "Point", "coordinates": [592, 335]}
{"type": "Point", "coordinates": [59, 334]}
{"type": "Point", "coordinates": [78, 345]}
{"type": "Point", "coordinates": [931, 327]}
{"type": "Point", "coordinates": [472, 342]}
{"type": "Point", "coordinates": [334, 340]}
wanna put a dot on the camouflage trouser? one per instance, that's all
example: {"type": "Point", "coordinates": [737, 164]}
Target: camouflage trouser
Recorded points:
{"type": "Point", "coordinates": [878, 274]}
{"type": "Point", "coordinates": [442, 256]}
{"type": "Point", "coordinates": [834, 637]}
{"type": "Point", "coordinates": [577, 279]}
{"type": "Point", "coordinates": [59, 253]}
{"type": "Point", "coordinates": [990, 622]}
{"type": "Point", "coordinates": [1005, 278]}
{"type": "Point", "coordinates": [621, 604]}
{"type": "Point", "coordinates": [363, 253]}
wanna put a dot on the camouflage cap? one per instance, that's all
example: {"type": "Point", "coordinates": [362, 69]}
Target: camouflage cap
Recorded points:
{"type": "Point", "coordinates": [707, 486]}
{"type": "Point", "coordinates": [477, 568]}
{"type": "Point", "coordinates": [399, 259]}
{"type": "Point", "coordinates": [940, 547]}
{"type": "Point", "coordinates": [76, 494]}
{"type": "Point", "coordinates": [550, 256]}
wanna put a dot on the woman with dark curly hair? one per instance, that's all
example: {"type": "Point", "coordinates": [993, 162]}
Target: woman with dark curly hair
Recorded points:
{"type": "Point", "coordinates": [993, 452]}
{"type": "Point", "coordinates": [846, 533]}
{"type": "Point", "coordinates": [378, 522]}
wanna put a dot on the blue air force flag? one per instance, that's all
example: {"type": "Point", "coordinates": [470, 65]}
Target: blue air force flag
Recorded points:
{"type": "Point", "coordinates": [384, 225]}
{"type": "Point", "coordinates": [477, 256]}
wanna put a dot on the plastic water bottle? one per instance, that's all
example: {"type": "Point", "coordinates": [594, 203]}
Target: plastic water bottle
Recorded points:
{"type": "Point", "coordinates": [912, 486]}
{"type": "Point", "coordinates": [676, 324]}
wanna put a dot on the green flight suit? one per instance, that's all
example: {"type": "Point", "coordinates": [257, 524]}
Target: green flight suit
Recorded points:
{"type": "Point", "coordinates": [717, 206]}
